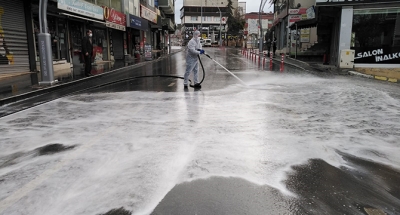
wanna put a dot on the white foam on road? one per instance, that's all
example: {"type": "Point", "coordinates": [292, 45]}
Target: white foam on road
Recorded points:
{"type": "Point", "coordinates": [134, 147]}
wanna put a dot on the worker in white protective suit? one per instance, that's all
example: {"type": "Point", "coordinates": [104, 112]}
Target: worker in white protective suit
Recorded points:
{"type": "Point", "coordinates": [192, 63]}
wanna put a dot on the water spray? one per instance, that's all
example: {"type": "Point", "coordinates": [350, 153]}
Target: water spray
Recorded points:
{"type": "Point", "coordinates": [242, 82]}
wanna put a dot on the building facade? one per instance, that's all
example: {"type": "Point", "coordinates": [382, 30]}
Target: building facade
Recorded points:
{"type": "Point", "coordinates": [209, 17]}
{"type": "Point", "coordinates": [242, 8]}
{"type": "Point", "coordinates": [252, 31]}
{"type": "Point", "coordinates": [285, 14]}
{"type": "Point", "coordinates": [370, 28]}
{"type": "Point", "coordinates": [121, 30]}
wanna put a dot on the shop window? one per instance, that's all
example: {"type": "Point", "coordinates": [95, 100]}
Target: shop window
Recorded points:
{"type": "Point", "coordinates": [376, 35]}
{"type": "Point", "coordinates": [99, 44]}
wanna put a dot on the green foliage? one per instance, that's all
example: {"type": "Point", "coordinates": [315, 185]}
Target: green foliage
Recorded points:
{"type": "Point", "coordinates": [235, 22]}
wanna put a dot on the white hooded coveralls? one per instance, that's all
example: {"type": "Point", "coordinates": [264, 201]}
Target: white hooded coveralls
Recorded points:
{"type": "Point", "coordinates": [192, 62]}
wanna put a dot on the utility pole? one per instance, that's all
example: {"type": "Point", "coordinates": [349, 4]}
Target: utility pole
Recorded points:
{"type": "Point", "coordinates": [262, 4]}
{"type": "Point", "coordinates": [201, 17]}
{"type": "Point", "coordinates": [45, 53]}
{"type": "Point", "coordinates": [220, 27]}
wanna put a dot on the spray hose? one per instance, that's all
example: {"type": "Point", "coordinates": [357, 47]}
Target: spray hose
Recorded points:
{"type": "Point", "coordinates": [173, 76]}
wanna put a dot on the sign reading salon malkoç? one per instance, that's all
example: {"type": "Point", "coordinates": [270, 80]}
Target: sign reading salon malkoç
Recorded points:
{"type": "Point", "coordinates": [377, 55]}
{"type": "Point", "coordinates": [82, 8]}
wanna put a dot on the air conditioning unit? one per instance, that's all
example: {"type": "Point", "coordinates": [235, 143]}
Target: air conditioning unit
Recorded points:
{"type": "Point", "coordinates": [347, 58]}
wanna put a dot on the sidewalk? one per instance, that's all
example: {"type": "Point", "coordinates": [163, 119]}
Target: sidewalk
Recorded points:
{"type": "Point", "coordinates": [312, 66]}
{"type": "Point", "coordinates": [309, 66]}
{"type": "Point", "coordinates": [13, 85]}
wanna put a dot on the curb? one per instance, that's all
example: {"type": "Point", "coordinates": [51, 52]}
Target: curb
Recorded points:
{"type": "Point", "coordinates": [376, 77]}
{"type": "Point", "coordinates": [291, 64]}
{"type": "Point", "coordinates": [91, 82]}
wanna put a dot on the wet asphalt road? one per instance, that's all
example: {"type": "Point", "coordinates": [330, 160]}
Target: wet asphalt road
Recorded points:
{"type": "Point", "coordinates": [288, 143]}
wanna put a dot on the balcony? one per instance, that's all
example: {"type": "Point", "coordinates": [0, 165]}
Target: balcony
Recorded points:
{"type": "Point", "coordinates": [169, 24]}
{"type": "Point", "coordinates": [167, 6]}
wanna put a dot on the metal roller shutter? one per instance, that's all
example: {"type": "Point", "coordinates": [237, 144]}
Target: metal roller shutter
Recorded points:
{"type": "Point", "coordinates": [14, 55]}
{"type": "Point", "coordinates": [118, 44]}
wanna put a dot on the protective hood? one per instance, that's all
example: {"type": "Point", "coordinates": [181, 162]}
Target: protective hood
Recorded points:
{"type": "Point", "coordinates": [196, 35]}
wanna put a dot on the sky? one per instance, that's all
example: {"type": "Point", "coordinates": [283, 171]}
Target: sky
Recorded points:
{"type": "Point", "coordinates": [249, 7]}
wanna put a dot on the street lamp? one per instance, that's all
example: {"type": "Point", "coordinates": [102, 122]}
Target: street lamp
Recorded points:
{"type": "Point", "coordinates": [44, 39]}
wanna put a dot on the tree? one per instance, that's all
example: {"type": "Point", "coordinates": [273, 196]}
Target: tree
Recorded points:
{"type": "Point", "coordinates": [235, 22]}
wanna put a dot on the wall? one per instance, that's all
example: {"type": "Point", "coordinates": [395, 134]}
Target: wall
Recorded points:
{"type": "Point", "coordinates": [210, 3]}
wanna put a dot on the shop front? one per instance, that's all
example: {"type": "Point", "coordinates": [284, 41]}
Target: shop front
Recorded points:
{"type": "Point", "coordinates": [149, 38]}
{"type": "Point", "coordinates": [79, 16]}
{"type": "Point", "coordinates": [376, 37]}
{"type": "Point", "coordinates": [137, 26]}
{"type": "Point", "coordinates": [116, 24]}
{"type": "Point", "coordinates": [14, 50]}
{"type": "Point", "coordinates": [372, 29]}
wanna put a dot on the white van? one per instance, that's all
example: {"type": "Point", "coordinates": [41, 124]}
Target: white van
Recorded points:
{"type": "Point", "coordinates": [202, 42]}
{"type": "Point", "coordinates": [207, 42]}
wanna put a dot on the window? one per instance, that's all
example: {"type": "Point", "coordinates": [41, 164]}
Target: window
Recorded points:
{"type": "Point", "coordinates": [193, 18]}
{"type": "Point", "coordinates": [217, 19]}
{"type": "Point", "coordinates": [376, 35]}
{"type": "Point", "coordinates": [91, 1]}
{"type": "Point", "coordinates": [116, 4]}
{"type": "Point", "coordinates": [204, 18]}
{"type": "Point", "coordinates": [132, 8]}
{"type": "Point", "coordinates": [103, 3]}
{"type": "Point", "coordinates": [209, 18]}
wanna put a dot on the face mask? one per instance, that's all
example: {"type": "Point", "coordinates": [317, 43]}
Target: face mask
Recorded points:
{"type": "Point", "coordinates": [90, 35]}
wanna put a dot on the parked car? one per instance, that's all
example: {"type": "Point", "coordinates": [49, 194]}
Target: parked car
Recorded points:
{"type": "Point", "coordinates": [207, 42]}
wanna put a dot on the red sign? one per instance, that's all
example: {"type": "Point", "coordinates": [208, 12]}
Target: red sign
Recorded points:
{"type": "Point", "coordinates": [298, 11]}
{"type": "Point", "coordinates": [114, 16]}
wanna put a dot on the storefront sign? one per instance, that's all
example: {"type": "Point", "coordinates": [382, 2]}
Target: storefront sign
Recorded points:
{"type": "Point", "coordinates": [147, 52]}
{"type": "Point", "coordinates": [148, 14]}
{"type": "Point", "coordinates": [377, 55]}
{"type": "Point", "coordinates": [137, 23]}
{"type": "Point", "coordinates": [351, 2]}
{"type": "Point", "coordinates": [305, 31]}
{"type": "Point", "coordinates": [115, 26]}
{"type": "Point", "coordinates": [297, 11]}
{"type": "Point", "coordinates": [305, 38]}
{"type": "Point", "coordinates": [82, 8]}
{"type": "Point", "coordinates": [114, 19]}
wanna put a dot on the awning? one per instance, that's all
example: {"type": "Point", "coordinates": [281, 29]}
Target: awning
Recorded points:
{"type": "Point", "coordinates": [307, 23]}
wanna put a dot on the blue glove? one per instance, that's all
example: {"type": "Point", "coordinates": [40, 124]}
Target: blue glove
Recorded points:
{"type": "Point", "coordinates": [202, 51]}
